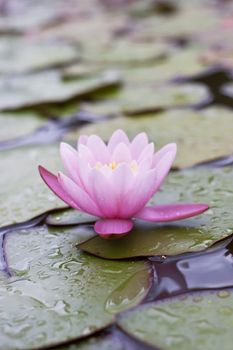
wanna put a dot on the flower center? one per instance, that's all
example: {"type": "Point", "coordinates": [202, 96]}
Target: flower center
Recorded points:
{"type": "Point", "coordinates": [114, 165]}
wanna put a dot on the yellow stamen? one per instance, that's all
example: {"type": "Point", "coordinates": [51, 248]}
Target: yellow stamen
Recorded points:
{"type": "Point", "coordinates": [112, 165]}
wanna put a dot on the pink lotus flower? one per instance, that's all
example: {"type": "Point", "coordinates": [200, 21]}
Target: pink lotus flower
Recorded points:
{"type": "Point", "coordinates": [115, 181]}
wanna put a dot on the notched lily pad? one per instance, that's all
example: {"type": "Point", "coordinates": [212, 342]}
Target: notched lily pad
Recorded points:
{"type": "Point", "coordinates": [69, 217]}
{"type": "Point", "coordinates": [194, 321]}
{"type": "Point", "coordinates": [201, 131]}
{"type": "Point", "coordinates": [57, 293]}
{"type": "Point", "coordinates": [23, 193]}
{"type": "Point", "coordinates": [191, 235]}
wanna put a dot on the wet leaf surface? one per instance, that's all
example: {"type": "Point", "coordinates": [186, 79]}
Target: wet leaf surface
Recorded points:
{"type": "Point", "coordinates": [69, 217]}
{"type": "Point", "coordinates": [24, 195]}
{"type": "Point", "coordinates": [193, 321]}
{"type": "Point", "coordinates": [78, 62]}
{"type": "Point", "coordinates": [191, 235]}
{"type": "Point", "coordinates": [56, 293]}
{"type": "Point", "coordinates": [199, 130]}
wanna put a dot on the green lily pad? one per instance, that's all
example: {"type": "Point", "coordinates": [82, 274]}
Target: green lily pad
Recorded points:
{"type": "Point", "coordinates": [69, 217]}
{"type": "Point", "coordinates": [181, 63]}
{"type": "Point", "coordinates": [152, 99]}
{"type": "Point", "coordinates": [196, 321]}
{"type": "Point", "coordinates": [17, 125]}
{"type": "Point", "coordinates": [126, 52]}
{"type": "Point", "coordinates": [32, 90]}
{"type": "Point", "coordinates": [201, 131]}
{"type": "Point", "coordinates": [83, 31]}
{"type": "Point", "coordinates": [191, 235]}
{"type": "Point", "coordinates": [21, 55]}
{"type": "Point", "coordinates": [57, 293]}
{"type": "Point", "coordinates": [190, 20]}
{"type": "Point", "coordinates": [23, 193]}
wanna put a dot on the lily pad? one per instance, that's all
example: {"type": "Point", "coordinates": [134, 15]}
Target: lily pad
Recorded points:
{"type": "Point", "coordinates": [56, 293]}
{"type": "Point", "coordinates": [69, 217]}
{"type": "Point", "coordinates": [23, 193]}
{"type": "Point", "coordinates": [151, 99]}
{"type": "Point", "coordinates": [179, 64]}
{"type": "Point", "coordinates": [32, 90]}
{"type": "Point", "coordinates": [191, 235]}
{"type": "Point", "coordinates": [17, 125]}
{"type": "Point", "coordinates": [190, 20]}
{"type": "Point", "coordinates": [21, 55]}
{"type": "Point", "coordinates": [208, 132]}
{"type": "Point", "coordinates": [111, 339]}
{"type": "Point", "coordinates": [196, 321]}
{"type": "Point", "coordinates": [126, 52]}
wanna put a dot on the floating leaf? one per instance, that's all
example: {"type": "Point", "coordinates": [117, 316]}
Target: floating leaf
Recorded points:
{"type": "Point", "coordinates": [191, 235]}
{"type": "Point", "coordinates": [57, 293]}
{"type": "Point", "coordinates": [126, 52]}
{"type": "Point", "coordinates": [179, 64]}
{"type": "Point", "coordinates": [112, 339]}
{"type": "Point", "coordinates": [23, 193]}
{"type": "Point", "coordinates": [69, 217]}
{"type": "Point", "coordinates": [151, 98]}
{"type": "Point", "coordinates": [196, 321]}
{"type": "Point", "coordinates": [201, 131]}
{"type": "Point", "coordinates": [21, 55]}
{"type": "Point", "coordinates": [48, 87]}
{"type": "Point", "coordinates": [187, 22]}
{"type": "Point", "coordinates": [18, 125]}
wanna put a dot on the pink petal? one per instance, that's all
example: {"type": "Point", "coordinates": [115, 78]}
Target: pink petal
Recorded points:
{"type": "Point", "coordinates": [122, 179]}
{"type": "Point", "coordinates": [103, 193]}
{"type": "Point", "coordinates": [106, 228]}
{"type": "Point", "coordinates": [69, 158]}
{"type": "Point", "coordinates": [117, 137]}
{"type": "Point", "coordinates": [147, 152]}
{"type": "Point", "coordinates": [121, 154]}
{"type": "Point", "coordinates": [85, 153]}
{"type": "Point", "coordinates": [163, 165]}
{"type": "Point", "coordinates": [170, 147]}
{"type": "Point", "coordinates": [139, 194]}
{"type": "Point", "coordinates": [82, 140]}
{"type": "Point", "coordinates": [138, 144]}
{"type": "Point", "coordinates": [171, 212]}
{"type": "Point", "coordinates": [52, 182]}
{"type": "Point", "coordinates": [78, 195]}
{"type": "Point", "coordinates": [98, 148]}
